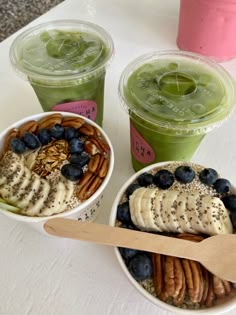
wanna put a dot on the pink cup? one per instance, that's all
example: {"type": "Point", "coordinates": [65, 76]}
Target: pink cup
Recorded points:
{"type": "Point", "coordinates": [208, 27]}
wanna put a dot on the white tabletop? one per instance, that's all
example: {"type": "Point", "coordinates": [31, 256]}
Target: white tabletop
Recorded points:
{"type": "Point", "coordinates": [40, 275]}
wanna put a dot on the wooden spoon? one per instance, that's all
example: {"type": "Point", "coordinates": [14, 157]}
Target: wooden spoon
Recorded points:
{"type": "Point", "coordinates": [216, 253]}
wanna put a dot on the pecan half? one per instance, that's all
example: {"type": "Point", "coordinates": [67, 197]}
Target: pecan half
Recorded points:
{"type": "Point", "coordinates": [94, 162]}
{"type": "Point", "coordinates": [157, 261]}
{"type": "Point", "coordinates": [50, 121]}
{"type": "Point", "coordinates": [29, 126]}
{"type": "Point", "coordinates": [91, 148]}
{"type": "Point", "coordinates": [193, 280]}
{"type": "Point", "coordinates": [210, 295]}
{"type": "Point", "coordinates": [75, 122]}
{"type": "Point", "coordinates": [89, 188]}
{"type": "Point", "coordinates": [100, 143]}
{"type": "Point", "coordinates": [220, 287]}
{"type": "Point", "coordinates": [87, 130]}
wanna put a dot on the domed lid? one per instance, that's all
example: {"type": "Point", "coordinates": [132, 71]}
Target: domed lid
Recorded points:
{"type": "Point", "coordinates": [61, 49]}
{"type": "Point", "coordinates": [176, 90]}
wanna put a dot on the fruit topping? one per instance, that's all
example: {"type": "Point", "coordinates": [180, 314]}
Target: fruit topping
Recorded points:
{"type": "Point", "coordinates": [71, 133]}
{"type": "Point", "coordinates": [208, 176]}
{"type": "Point", "coordinates": [44, 136]}
{"type": "Point", "coordinates": [17, 145]}
{"type": "Point", "coordinates": [140, 267]}
{"type": "Point", "coordinates": [184, 174]}
{"type": "Point", "coordinates": [80, 159]}
{"type": "Point", "coordinates": [230, 202]}
{"type": "Point", "coordinates": [30, 140]}
{"type": "Point", "coordinates": [163, 179]}
{"type": "Point", "coordinates": [57, 131]}
{"type": "Point", "coordinates": [222, 185]}
{"type": "Point", "coordinates": [123, 213]}
{"type": "Point", "coordinates": [72, 172]}
{"type": "Point", "coordinates": [76, 146]}
{"type": "Point", "coordinates": [128, 253]}
{"type": "Point", "coordinates": [131, 188]}
{"type": "Point", "coordinates": [145, 179]}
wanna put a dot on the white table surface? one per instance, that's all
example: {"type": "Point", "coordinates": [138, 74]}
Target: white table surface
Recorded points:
{"type": "Point", "coordinates": [40, 275]}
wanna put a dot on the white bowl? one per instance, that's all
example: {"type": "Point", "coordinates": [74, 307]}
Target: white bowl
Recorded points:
{"type": "Point", "coordinates": [87, 210]}
{"type": "Point", "coordinates": [227, 305]}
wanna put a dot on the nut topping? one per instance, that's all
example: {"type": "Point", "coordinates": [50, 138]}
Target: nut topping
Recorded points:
{"type": "Point", "coordinates": [75, 122]}
{"type": "Point", "coordinates": [94, 163]}
{"type": "Point", "coordinates": [89, 188]}
{"type": "Point", "coordinates": [29, 126]}
{"type": "Point", "coordinates": [50, 121]}
{"type": "Point", "coordinates": [50, 157]}
{"type": "Point", "coordinates": [90, 148]}
{"type": "Point", "coordinates": [87, 130]}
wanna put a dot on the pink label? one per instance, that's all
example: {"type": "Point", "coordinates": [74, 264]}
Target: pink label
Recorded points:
{"type": "Point", "coordinates": [85, 108]}
{"type": "Point", "coordinates": [141, 150]}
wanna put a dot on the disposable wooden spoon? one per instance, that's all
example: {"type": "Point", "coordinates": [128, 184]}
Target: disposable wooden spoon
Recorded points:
{"type": "Point", "coordinates": [216, 253]}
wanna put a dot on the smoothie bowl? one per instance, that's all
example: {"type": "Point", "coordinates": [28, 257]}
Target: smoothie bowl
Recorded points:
{"type": "Point", "coordinates": [183, 200]}
{"type": "Point", "coordinates": [53, 165]}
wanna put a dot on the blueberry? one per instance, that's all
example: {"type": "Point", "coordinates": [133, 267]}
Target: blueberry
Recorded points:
{"type": "Point", "coordinates": [233, 218]}
{"type": "Point", "coordinates": [145, 179]}
{"type": "Point", "coordinates": [72, 172]}
{"type": "Point", "coordinates": [208, 176]}
{"type": "Point", "coordinates": [71, 133]}
{"type": "Point", "coordinates": [163, 179]}
{"type": "Point", "coordinates": [80, 159]}
{"type": "Point", "coordinates": [222, 185]}
{"type": "Point", "coordinates": [123, 213]}
{"type": "Point", "coordinates": [140, 267]}
{"type": "Point", "coordinates": [128, 253]}
{"type": "Point", "coordinates": [230, 202]}
{"type": "Point", "coordinates": [76, 146]}
{"type": "Point", "coordinates": [17, 145]}
{"type": "Point", "coordinates": [30, 140]}
{"type": "Point", "coordinates": [184, 174]}
{"type": "Point", "coordinates": [131, 188]}
{"type": "Point", "coordinates": [57, 131]}
{"type": "Point", "coordinates": [44, 136]}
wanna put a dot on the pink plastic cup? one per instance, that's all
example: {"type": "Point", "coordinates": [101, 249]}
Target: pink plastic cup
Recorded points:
{"type": "Point", "coordinates": [208, 27]}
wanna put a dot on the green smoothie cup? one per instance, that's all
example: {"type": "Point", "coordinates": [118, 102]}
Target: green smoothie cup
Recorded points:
{"type": "Point", "coordinates": [173, 99]}
{"type": "Point", "coordinates": [65, 62]}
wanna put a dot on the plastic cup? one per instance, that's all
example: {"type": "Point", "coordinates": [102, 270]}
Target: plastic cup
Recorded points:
{"type": "Point", "coordinates": [65, 62]}
{"type": "Point", "coordinates": [208, 28]}
{"type": "Point", "coordinates": [173, 99]}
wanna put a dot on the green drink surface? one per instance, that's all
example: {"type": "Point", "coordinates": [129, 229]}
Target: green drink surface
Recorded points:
{"type": "Point", "coordinates": [175, 93]}
{"type": "Point", "coordinates": [60, 52]}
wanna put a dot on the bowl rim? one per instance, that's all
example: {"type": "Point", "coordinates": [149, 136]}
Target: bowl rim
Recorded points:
{"type": "Point", "coordinates": [216, 309]}
{"type": "Point", "coordinates": [84, 204]}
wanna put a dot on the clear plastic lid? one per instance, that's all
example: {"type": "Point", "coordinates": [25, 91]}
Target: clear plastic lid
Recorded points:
{"type": "Point", "coordinates": [177, 92]}
{"type": "Point", "coordinates": [61, 50]}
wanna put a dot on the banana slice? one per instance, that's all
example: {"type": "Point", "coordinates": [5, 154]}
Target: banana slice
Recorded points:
{"type": "Point", "coordinates": [11, 168]}
{"type": "Point", "coordinates": [147, 209]}
{"type": "Point", "coordinates": [69, 190]}
{"type": "Point", "coordinates": [37, 201]}
{"type": "Point", "coordinates": [159, 218]}
{"type": "Point", "coordinates": [169, 210]}
{"type": "Point", "coordinates": [54, 201]}
{"type": "Point", "coordinates": [135, 200]}
{"type": "Point", "coordinates": [179, 212]}
{"type": "Point", "coordinates": [31, 189]}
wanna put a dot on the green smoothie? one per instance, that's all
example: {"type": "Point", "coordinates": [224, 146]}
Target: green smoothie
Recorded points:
{"type": "Point", "coordinates": [65, 63]}
{"type": "Point", "coordinates": [173, 100]}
